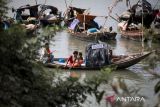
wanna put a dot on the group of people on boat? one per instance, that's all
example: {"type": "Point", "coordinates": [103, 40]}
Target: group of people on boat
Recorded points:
{"type": "Point", "coordinates": [96, 55]}
{"type": "Point", "coordinates": [74, 60]}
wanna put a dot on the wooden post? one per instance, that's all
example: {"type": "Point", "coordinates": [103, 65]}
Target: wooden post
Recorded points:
{"type": "Point", "coordinates": [84, 22]}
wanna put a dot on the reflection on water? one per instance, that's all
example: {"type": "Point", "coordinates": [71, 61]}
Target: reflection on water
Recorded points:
{"type": "Point", "coordinates": [131, 79]}
{"type": "Point", "coordinates": [64, 44]}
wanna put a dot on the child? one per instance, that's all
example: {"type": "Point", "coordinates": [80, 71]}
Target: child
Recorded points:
{"type": "Point", "coordinates": [72, 59]}
{"type": "Point", "coordinates": [80, 58]}
{"type": "Point", "coordinates": [48, 53]}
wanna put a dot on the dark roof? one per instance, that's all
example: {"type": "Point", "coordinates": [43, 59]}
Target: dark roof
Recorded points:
{"type": "Point", "coordinates": [78, 10]}
{"type": "Point", "coordinates": [53, 9]}
{"type": "Point", "coordinates": [27, 7]}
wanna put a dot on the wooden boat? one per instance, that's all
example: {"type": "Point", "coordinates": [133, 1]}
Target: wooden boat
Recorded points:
{"type": "Point", "coordinates": [102, 35]}
{"type": "Point", "coordinates": [133, 17]}
{"type": "Point", "coordinates": [38, 13]}
{"type": "Point", "coordinates": [86, 22]}
{"type": "Point", "coordinates": [50, 21]}
{"type": "Point", "coordinates": [22, 15]}
{"type": "Point", "coordinates": [121, 62]}
{"type": "Point", "coordinates": [69, 15]}
{"type": "Point", "coordinates": [54, 17]}
{"type": "Point", "coordinates": [135, 35]}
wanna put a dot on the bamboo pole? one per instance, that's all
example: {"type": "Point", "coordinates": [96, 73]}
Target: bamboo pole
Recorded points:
{"type": "Point", "coordinates": [130, 4]}
{"type": "Point", "coordinates": [36, 2]}
{"type": "Point", "coordinates": [66, 4]}
{"type": "Point", "coordinates": [45, 2]}
{"type": "Point", "coordinates": [142, 28]}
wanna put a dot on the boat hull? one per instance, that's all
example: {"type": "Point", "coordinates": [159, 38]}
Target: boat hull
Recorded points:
{"type": "Point", "coordinates": [45, 22]}
{"type": "Point", "coordinates": [135, 35]}
{"type": "Point", "coordinates": [124, 62]}
{"type": "Point", "coordinates": [103, 36]}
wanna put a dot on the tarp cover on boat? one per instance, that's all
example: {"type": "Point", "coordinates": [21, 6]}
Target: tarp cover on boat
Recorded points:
{"type": "Point", "coordinates": [73, 24]}
{"type": "Point", "coordinates": [97, 55]}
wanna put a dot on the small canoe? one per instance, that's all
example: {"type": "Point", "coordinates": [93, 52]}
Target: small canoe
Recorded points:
{"type": "Point", "coordinates": [121, 62]}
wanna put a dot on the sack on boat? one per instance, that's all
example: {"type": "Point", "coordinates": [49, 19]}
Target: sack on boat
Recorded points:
{"type": "Point", "coordinates": [125, 15]}
{"type": "Point", "coordinates": [97, 55]}
{"type": "Point", "coordinates": [61, 60]}
{"type": "Point", "coordinates": [73, 24]}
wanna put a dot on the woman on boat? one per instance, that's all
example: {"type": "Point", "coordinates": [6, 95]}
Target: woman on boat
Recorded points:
{"type": "Point", "coordinates": [48, 54]}
{"type": "Point", "coordinates": [72, 60]}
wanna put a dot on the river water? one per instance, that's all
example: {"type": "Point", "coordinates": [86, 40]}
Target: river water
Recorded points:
{"type": "Point", "coordinates": [64, 45]}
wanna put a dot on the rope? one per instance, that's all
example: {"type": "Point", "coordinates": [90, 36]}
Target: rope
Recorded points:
{"type": "Point", "coordinates": [110, 8]}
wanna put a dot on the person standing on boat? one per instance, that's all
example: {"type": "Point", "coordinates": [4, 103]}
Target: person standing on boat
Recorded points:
{"type": "Point", "coordinates": [48, 54]}
{"type": "Point", "coordinates": [72, 60]}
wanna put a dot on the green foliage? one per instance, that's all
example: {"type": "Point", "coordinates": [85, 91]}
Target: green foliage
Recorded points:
{"type": "Point", "coordinates": [71, 92]}
{"type": "Point", "coordinates": [3, 7]}
{"type": "Point", "coordinates": [48, 31]}
{"type": "Point", "coordinates": [25, 83]}
{"type": "Point", "coordinates": [151, 34]}
{"type": "Point", "coordinates": [94, 83]}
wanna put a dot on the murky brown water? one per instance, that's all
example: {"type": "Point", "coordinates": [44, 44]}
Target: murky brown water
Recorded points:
{"type": "Point", "coordinates": [64, 45]}
{"type": "Point", "coordinates": [136, 75]}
